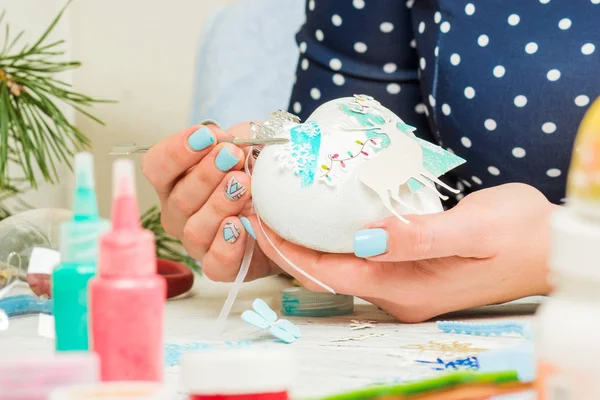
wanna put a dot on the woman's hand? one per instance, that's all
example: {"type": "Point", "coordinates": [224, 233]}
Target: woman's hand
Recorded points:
{"type": "Point", "coordinates": [203, 191]}
{"type": "Point", "coordinates": [491, 248]}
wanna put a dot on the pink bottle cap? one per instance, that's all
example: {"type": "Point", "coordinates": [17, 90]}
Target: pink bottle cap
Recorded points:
{"type": "Point", "coordinates": [238, 371]}
{"type": "Point", "coordinates": [34, 378]}
{"type": "Point", "coordinates": [126, 250]}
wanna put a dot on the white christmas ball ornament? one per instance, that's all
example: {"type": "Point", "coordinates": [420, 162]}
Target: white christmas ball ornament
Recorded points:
{"type": "Point", "coordinates": [350, 164]}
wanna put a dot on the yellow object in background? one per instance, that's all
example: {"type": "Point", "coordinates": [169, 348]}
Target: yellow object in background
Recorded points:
{"type": "Point", "coordinates": [584, 175]}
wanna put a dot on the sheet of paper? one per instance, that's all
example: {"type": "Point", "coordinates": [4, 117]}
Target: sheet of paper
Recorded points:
{"type": "Point", "coordinates": [43, 261]}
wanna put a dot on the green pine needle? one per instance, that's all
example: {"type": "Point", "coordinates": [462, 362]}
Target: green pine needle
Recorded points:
{"type": "Point", "coordinates": [35, 134]}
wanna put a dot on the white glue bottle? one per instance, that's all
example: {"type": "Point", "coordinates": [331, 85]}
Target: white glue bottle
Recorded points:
{"type": "Point", "coordinates": [568, 324]}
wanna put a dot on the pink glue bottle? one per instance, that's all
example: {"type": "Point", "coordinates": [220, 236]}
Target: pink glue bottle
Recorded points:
{"type": "Point", "coordinates": [127, 296]}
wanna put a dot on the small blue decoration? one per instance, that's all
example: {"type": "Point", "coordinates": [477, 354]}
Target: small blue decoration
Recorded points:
{"type": "Point", "coordinates": [469, 363]}
{"type": "Point", "coordinates": [263, 317]}
{"type": "Point", "coordinates": [487, 329]}
{"type": "Point", "coordinates": [174, 351]}
{"type": "Point", "coordinates": [306, 143]}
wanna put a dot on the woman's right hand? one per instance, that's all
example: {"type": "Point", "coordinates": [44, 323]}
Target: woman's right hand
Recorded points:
{"type": "Point", "coordinates": [204, 194]}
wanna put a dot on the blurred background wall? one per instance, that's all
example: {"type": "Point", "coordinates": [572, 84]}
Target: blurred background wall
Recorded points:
{"type": "Point", "coordinates": [167, 64]}
{"type": "Point", "coordinates": [141, 53]}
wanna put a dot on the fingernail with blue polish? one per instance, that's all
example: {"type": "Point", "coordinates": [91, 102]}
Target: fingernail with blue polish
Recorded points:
{"type": "Point", "coordinates": [370, 242]}
{"type": "Point", "coordinates": [201, 139]}
{"type": "Point", "coordinates": [248, 226]}
{"type": "Point", "coordinates": [225, 160]}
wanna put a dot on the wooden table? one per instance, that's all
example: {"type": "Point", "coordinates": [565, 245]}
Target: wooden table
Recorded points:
{"type": "Point", "coordinates": [326, 364]}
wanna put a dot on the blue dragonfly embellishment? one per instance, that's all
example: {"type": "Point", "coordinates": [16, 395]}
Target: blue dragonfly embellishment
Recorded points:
{"type": "Point", "coordinates": [263, 317]}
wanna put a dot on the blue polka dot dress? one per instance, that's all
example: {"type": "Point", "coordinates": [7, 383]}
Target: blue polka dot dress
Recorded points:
{"type": "Point", "coordinates": [501, 83]}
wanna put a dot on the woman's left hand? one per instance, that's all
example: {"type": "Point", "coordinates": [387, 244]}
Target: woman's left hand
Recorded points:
{"type": "Point", "coordinates": [491, 248]}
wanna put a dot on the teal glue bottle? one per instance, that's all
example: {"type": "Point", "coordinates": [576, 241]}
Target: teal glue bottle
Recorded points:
{"type": "Point", "coordinates": [79, 253]}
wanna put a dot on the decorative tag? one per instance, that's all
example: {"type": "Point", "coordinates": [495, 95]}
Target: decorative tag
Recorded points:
{"type": "Point", "coordinates": [43, 261]}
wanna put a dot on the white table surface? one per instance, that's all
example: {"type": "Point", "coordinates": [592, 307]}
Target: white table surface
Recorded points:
{"type": "Point", "coordinates": [326, 366]}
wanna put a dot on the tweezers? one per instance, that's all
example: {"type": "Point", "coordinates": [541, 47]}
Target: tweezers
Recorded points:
{"type": "Point", "coordinates": [126, 148]}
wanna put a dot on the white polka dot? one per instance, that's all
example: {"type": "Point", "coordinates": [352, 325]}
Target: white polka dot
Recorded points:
{"type": "Point", "coordinates": [553, 75]}
{"type": "Point", "coordinates": [476, 180]}
{"type": "Point", "coordinates": [520, 101]}
{"type": "Point", "coordinates": [336, 20]}
{"type": "Point", "coordinates": [494, 171]}
{"type": "Point", "coordinates": [549, 127]}
{"type": "Point", "coordinates": [445, 27]}
{"type": "Point", "coordinates": [386, 27]}
{"type": "Point", "coordinates": [303, 47]}
{"type": "Point", "coordinates": [339, 79]}
{"type": "Point", "coordinates": [335, 64]}
{"type": "Point", "coordinates": [459, 197]}
{"type": "Point", "coordinates": [469, 92]}
{"type": "Point", "coordinates": [514, 19]}
{"type": "Point", "coordinates": [422, 63]}
{"type": "Point", "coordinates": [595, 1]}
{"type": "Point", "coordinates": [297, 107]}
{"type": "Point", "coordinates": [483, 40]}
{"type": "Point", "coordinates": [360, 47]}
{"type": "Point", "coordinates": [295, 79]}
{"type": "Point", "coordinates": [553, 172]}
{"type": "Point", "coordinates": [432, 100]}
{"type": "Point", "coordinates": [319, 35]}
{"type": "Point", "coordinates": [420, 108]}
{"type": "Point", "coordinates": [466, 142]}
{"type": "Point", "coordinates": [564, 24]}
{"type": "Point", "coordinates": [499, 71]}
{"type": "Point", "coordinates": [531, 47]}
{"type": "Point", "coordinates": [390, 68]}
{"type": "Point", "coordinates": [470, 9]}
{"type": "Point", "coordinates": [311, 5]}
{"type": "Point", "coordinates": [304, 64]}
{"type": "Point", "coordinates": [582, 100]}
{"type": "Point", "coordinates": [413, 44]}
{"type": "Point", "coordinates": [446, 109]}
{"type": "Point", "coordinates": [490, 124]}
{"type": "Point", "coordinates": [437, 18]}
{"type": "Point", "coordinates": [359, 4]}
{"type": "Point", "coordinates": [455, 59]}
{"type": "Point", "coordinates": [315, 93]}
{"type": "Point", "coordinates": [393, 88]}
{"type": "Point", "coordinates": [422, 27]}
{"type": "Point", "coordinates": [544, 1]}
{"type": "Point", "coordinates": [409, 3]}
{"type": "Point", "coordinates": [467, 183]}
{"type": "Point", "coordinates": [588, 48]}
{"type": "Point", "coordinates": [436, 51]}
{"type": "Point", "coordinates": [518, 152]}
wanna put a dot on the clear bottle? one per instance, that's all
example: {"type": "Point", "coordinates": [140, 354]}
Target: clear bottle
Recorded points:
{"type": "Point", "coordinates": [127, 296]}
{"type": "Point", "coordinates": [79, 253]}
{"type": "Point", "coordinates": [567, 344]}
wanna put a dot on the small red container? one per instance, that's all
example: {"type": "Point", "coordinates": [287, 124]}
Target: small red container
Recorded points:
{"type": "Point", "coordinates": [239, 374]}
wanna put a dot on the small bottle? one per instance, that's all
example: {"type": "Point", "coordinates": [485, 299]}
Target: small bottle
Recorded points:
{"type": "Point", "coordinates": [34, 378]}
{"type": "Point", "coordinates": [127, 296]}
{"type": "Point", "coordinates": [79, 253]}
{"type": "Point", "coordinates": [239, 374]}
{"type": "Point", "coordinates": [567, 344]}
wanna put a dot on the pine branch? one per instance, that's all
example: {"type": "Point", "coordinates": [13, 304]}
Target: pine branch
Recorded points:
{"type": "Point", "coordinates": [31, 118]}
{"type": "Point", "coordinates": [167, 247]}
{"type": "Point", "coordinates": [35, 134]}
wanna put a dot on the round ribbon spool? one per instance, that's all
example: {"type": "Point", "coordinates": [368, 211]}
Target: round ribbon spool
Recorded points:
{"type": "Point", "coordinates": [179, 277]}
